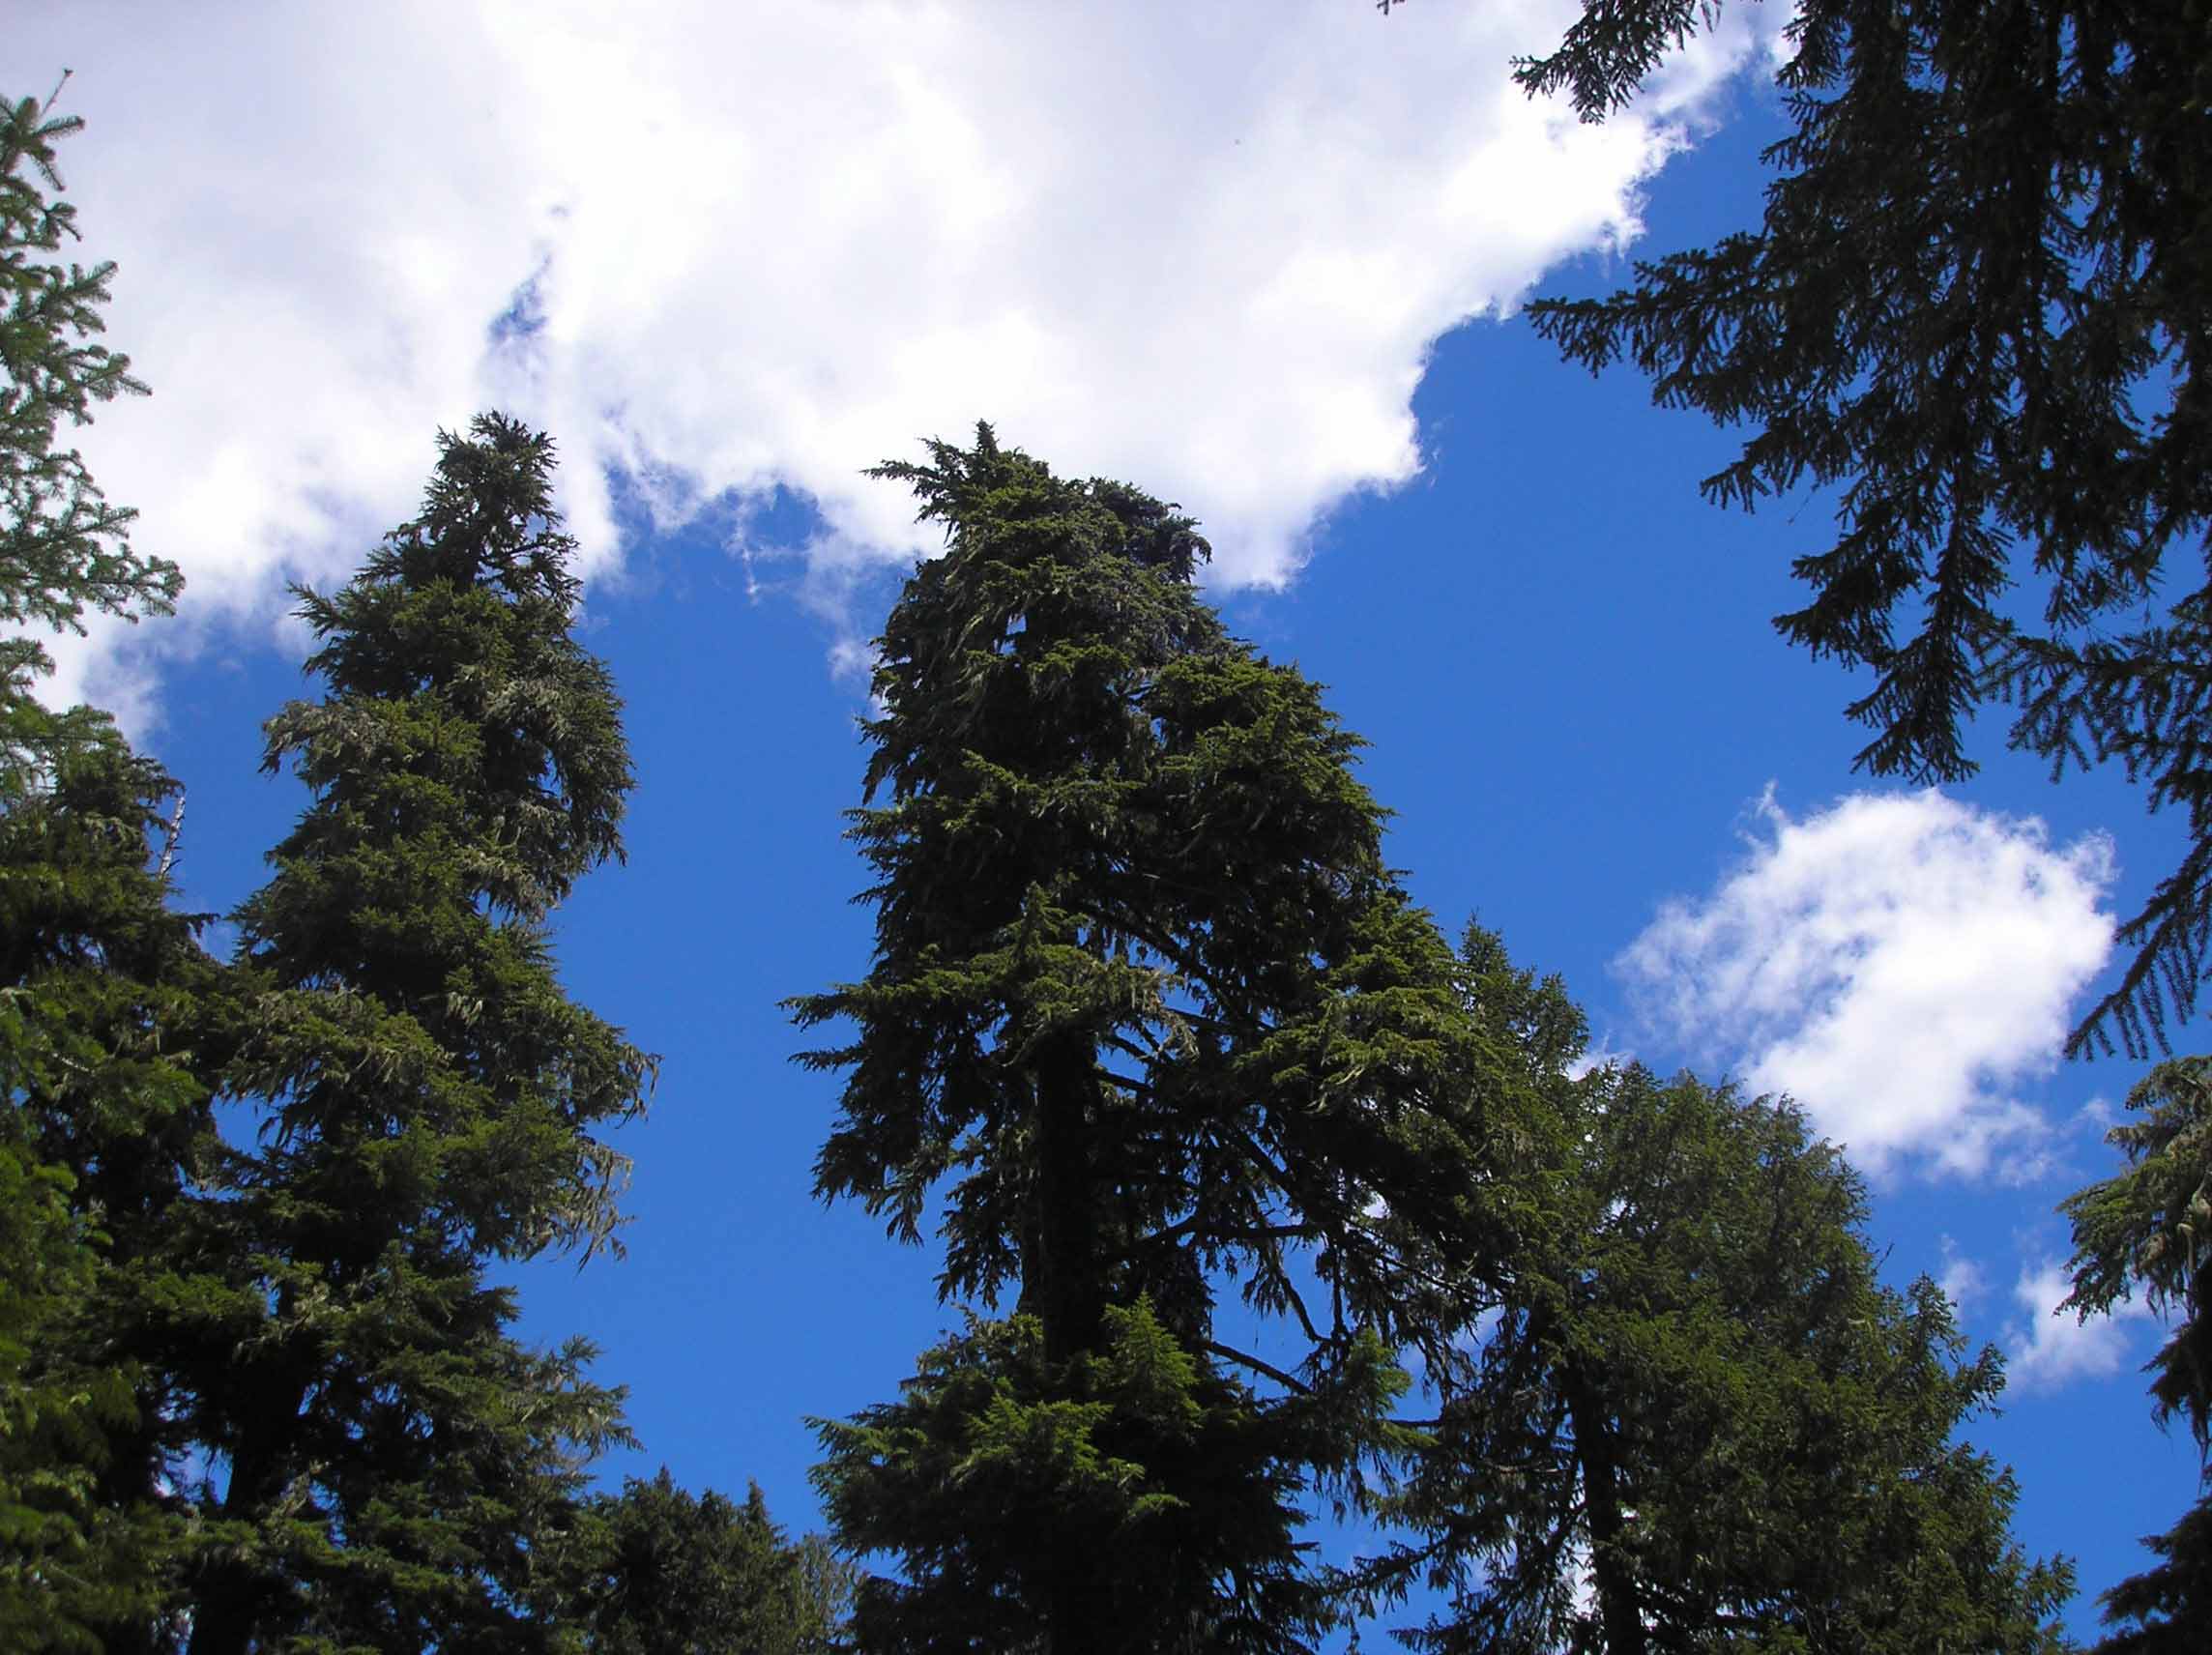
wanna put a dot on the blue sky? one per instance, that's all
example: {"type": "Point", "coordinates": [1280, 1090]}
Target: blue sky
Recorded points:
{"type": "Point", "coordinates": [1260, 259]}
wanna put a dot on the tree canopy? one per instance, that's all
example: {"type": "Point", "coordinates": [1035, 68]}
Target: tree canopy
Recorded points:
{"type": "Point", "coordinates": [1975, 308]}
{"type": "Point", "coordinates": [669, 1573]}
{"type": "Point", "coordinates": [1695, 1418]}
{"type": "Point", "coordinates": [1147, 1002]}
{"type": "Point", "coordinates": [395, 1455]}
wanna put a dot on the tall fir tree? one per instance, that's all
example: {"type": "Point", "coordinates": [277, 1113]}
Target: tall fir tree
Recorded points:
{"type": "Point", "coordinates": [1698, 1420]}
{"type": "Point", "coordinates": [394, 1469]}
{"type": "Point", "coordinates": [1150, 1014]}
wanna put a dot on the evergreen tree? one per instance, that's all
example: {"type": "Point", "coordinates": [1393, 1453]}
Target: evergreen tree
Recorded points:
{"type": "Point", "coordinates": [48, 1557]}
{"type": "Point", "coordinates": [2150, 1227]}
{"type": "Point", "coordinates": [1701, 1421]}
{"type": "Point", "coordinates": [1150, 1014]}
{"type": "Point", "coordinates": [1977, 306]}
{"type": "Point", "coordinates": [394, 1469]}
{"type": "Point", "coordinates": [671, 1574]}
{"type": "Point", "coordinates": [62, 548]}
{"type": "Point", "coordinates": [104, 995]}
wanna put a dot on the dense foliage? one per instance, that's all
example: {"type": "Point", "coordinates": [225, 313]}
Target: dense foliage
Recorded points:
{"type": "Point", "coordinates": [1147, 1004]}
{"type": "Point", "coordinates": [669, 1573]}
{"type": "Point", "coordinates": [1697, 1420]}
{"type": "Point", "coordinates": [432, 1095]}
{"type": "Point", "coordinates": [105, 999]}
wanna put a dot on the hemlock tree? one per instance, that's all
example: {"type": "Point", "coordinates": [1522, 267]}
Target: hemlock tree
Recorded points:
{"type": "Point", "coordinates": [2150, 1227]}
{"type": "Point", "coordinates": [1148, 1014]}
{"type": "Point", "coordinates": [1980, 307]}
{"type": "Point", "coordinates": [62, 548]}
{"type": "Point", "coordinates": [1701, 1421]}
{"type": "Point", "coordinates": [394, 1469]}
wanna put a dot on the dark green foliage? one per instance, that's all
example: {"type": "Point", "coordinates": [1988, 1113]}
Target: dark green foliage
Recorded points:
{"type": "Point", "coordinates": [1700, 1421]}
{"type": "Point", "coordinates": [1150, 1012]}
{"type": "Point", "coordinates": [671, 1574]}
{"type": "Point", "coordinates": [390, 1455]}
{"type": "Point", "coordinates": [52, 1424]}
{"type": "Point", "coordinates": [1171, 1480]}
{"type": "Point", "coordinates": [103, 1115]}
{"type": "Point", "coordinates": [2165, 1610]}
{"type": "Point", "coordinates": [102, 991]}
{"type": "Point", "coordinates": [62, 548]}
{"type": "Point", "coordinates": [2150, 1227]}
{"type": "Point", "coordinates": [1976, 307]}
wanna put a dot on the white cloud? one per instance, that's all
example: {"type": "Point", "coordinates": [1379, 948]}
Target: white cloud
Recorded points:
{"type": "Point", "coordinates": [1899, 963]}
{"type": "Point", "coordinates": [1601, 1056]}
{"type": "Point", "coordinates": [1204, 246]}
{"type": "Point", "coordinates": [2051, 1346]}
{"type": "Point", "coordinates": [1961, 1280]}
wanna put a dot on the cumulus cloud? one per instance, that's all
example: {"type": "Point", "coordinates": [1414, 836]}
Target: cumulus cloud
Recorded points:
{"type": "Point", "coordinates": [1900, 963]}
{"type": "Point", "coordinates": [722, 249]}
{"type": "Point", "coordinates": [2051, 1346]}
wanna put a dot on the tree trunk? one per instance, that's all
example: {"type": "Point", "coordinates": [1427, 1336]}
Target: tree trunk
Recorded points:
{"type": "Point", "coordinates": [1619, 1613]}
{"type": "Point", "coordinates": [229, 1596]}
{"type": "Point", "coordinates": [1064, 1284]}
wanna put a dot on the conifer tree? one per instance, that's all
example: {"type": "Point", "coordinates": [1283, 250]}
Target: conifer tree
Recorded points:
{"type": "Point", "coordinates": [1976, 308]}
{"type": "Point", "coordinates": [671, 1574]}
{"type": "Point", "coordinates": [1697, 1420]}
{"type": "Point", "coordinates": [2148, 1228]}
{"type": "Point", "coordinates": [393, 1467]}
{"type": "Point", "coordinates": [1150, 1014]}
{"type": "Point", "coordinates": [105, 997]}
{"type": "Point", "coordinates": [62, 548]}
{"type": "Point", "coordinates": [104, 1119]}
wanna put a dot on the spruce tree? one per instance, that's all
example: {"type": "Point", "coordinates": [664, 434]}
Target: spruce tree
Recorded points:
{"type": "Point", "coordinates": [394, 1469]}
{"type": "Point", "coordinates": [1697, 1420]}
{"type": "Point", "coordinates": [1150, 1016]}
{"type": "Point", "coordinates": [1976, 308]}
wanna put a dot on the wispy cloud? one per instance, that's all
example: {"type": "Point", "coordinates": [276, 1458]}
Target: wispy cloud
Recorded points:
{"type": "Point", "coordinates": [1962, 1279]}
{"type": "Point", "coordinates": [1604, 1055]}
{"type": "Point", "coordinates": [725, 248]}
{"type": "Point", "coordinates": [1900, 963]}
